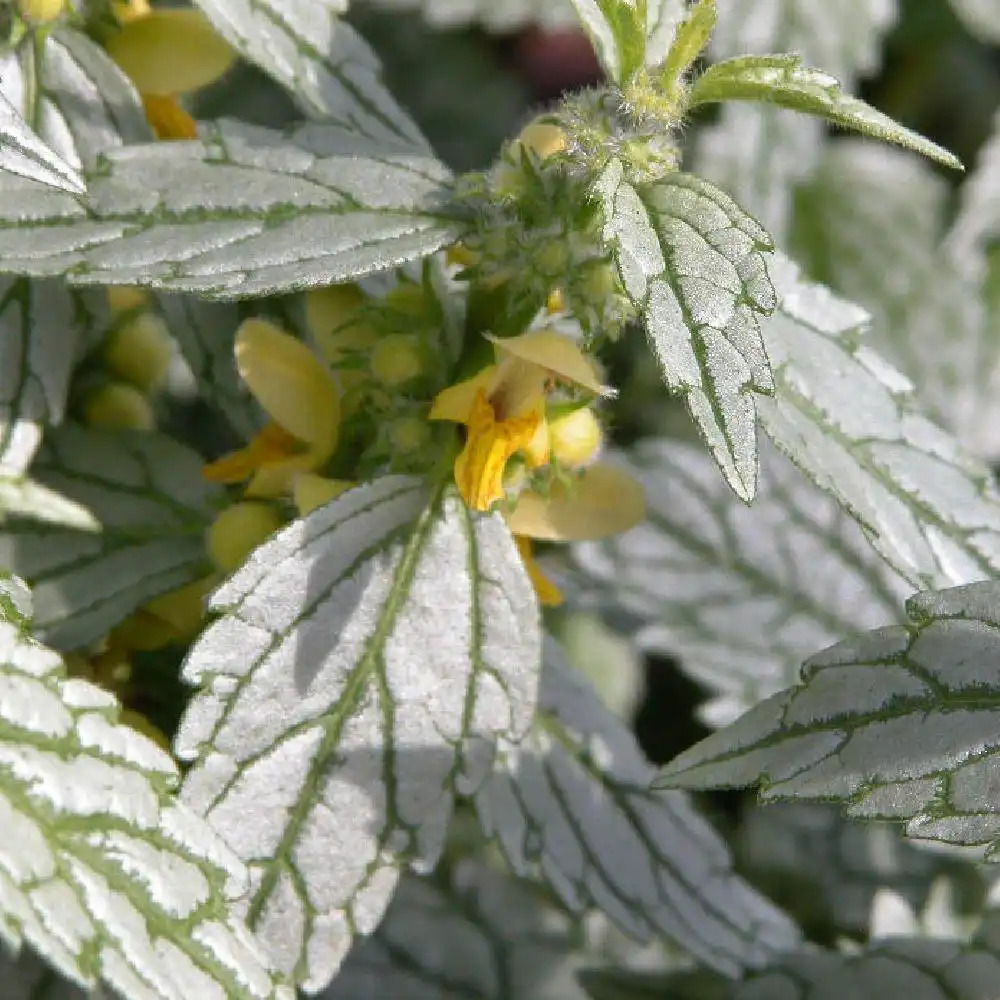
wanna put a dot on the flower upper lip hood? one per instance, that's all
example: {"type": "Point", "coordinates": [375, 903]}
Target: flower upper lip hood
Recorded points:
{"type": "Point", "coordinates": [503, 409]}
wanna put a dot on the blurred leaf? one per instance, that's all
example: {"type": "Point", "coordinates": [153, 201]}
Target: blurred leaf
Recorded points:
{"type": "Point", "coordinates": [849, 421]}
{"type": "Point", "coordinates": [326, 66]}
{"type": "Point", "coordinates": [501, 16]}
{"type": "Point", "coordinates": [469, 934]}
{"type": "Point", "coordinates": [758, 154]}
{"type": "Point", "coordinates": [740, 595]}
{"type": "Point", "coordinates": [982, 17]}
{"type": "Point", "coordinates": [44, 327]}
{"type": "Point", "coordinates": [150, 507]}
{"type": "Point", "coordinates": [572, 806]}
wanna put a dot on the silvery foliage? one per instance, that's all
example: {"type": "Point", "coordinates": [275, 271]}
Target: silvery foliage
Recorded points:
{"type": "Point", "coordinates": [571, 804]}
{"type": "Point", "coordinates": [142, 507]}
{"type": "Point", "coordinates": [471, 933]}
{"type": "Point", "coordinates": [851, 423]}
{"type": "Point", "coordinates": [842, 872]}
{"type": "Point", "coordinates": [932, 290]}
{"type": "Point", "coordinates": [917, 968]}
{"type": "Point", "coordinates": [83, 106]}
{"type": "Point", "coordinates": [981, 17]}
{"type": "Point", "coordinates": [740, 595]}
{"type": "Point", "coordinates": [102, 871]}
{"type": "Point", "coordinates": [327, 749]}
{"type": "Point", "coordinates": [758, 153]}
{"type": "Point", "coordinates": [896, 724]}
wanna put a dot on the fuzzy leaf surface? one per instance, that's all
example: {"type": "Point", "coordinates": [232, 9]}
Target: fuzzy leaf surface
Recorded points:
{"type": "Point", "coordinates": [572, 805]}
{"type": "Point", "coordinates": [44, 327]}
{"type": "Point", "coordinates": [101, 870]}
{"type": "Point", "coordinates": [468, 934]}
{"type": "Point", "coordinates": [739, 594]}
{"type": "Point", "coordinates": [757, 152]}
{"type": "Point", "coordinates": [244, 211]}
{"type": "Point", "coordinates": [784, 81]}
{"type": "Point", "coordinates": [849, 421]}
{"type": "Point", "coordinates": [149, 507]}
{"type": "Point", "coordinates": [23, 153]}
{"type": "Point", "coordinates": [323, 62]}
{"type": "Point", "coordinates": [692, 262]}
{"type": "Point", "coordinates": [363, 663]}
{"type": "Point", "coordinates": [896, 724]}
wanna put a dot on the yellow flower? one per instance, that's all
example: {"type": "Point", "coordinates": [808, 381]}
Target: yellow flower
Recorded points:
{"type": "Point", "coordinates": [168, 52]}
{"type": "Point", "coordinates": [503, 407]}
{"type": "Point", "coordinates": [299, 393]}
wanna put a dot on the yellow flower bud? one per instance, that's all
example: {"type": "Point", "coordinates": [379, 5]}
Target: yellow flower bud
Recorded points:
{"type": "Point", "coordinates": [575, 439]}
{"type": "Point", "coordinates": [409, 434]}
{"type": "Point", "coordinates": [238, 530]}
{"type": "Point", "coordinates": [139, 351]}
{"type": "Point", "coordinates": [118, 404]}
{"type": "Point", "coordinates": [311, 491]}
{"type": "Point", "coordinates": [40, 11]}
{"type": "Point", "coordinates": [397, 358]}
{"type": "Point", "coordinates": [543, 138]}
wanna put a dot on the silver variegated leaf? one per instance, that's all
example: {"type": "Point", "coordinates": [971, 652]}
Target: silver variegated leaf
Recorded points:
{"type": "Point", "coordinates": [897, 724]}
{"type": "Point", "coordinates": [323, 62]}
{"type": "Point", "coordinates": [84, 103]}
{"type": "Point", "coordinates": [363, 663]}
{"type": "Point", "coordinates": [205, 333]}
{"type": "Point", "coordinates": [244, 211]}
{"type": "Point", "coordinates": [784, 81]}
{"type": "Point", "coordinates": [692, 263]}
{"type": "Point", "coordinates": [572, 805]}
{"type": "Point", "coordinates": [759, 153]}
{"type": "Point", "coordinates": [44, 327]}
{"type": "Point", "coordinates": [982, 17]}
{"type": "Point", "coordinates": [469, 934]}
{"type": "Point", "coordinates": [23, 154]}
{"type": "Point", "coordinates": [149, 507]}
{"type": "Point", "coordinates": [102, 871]}
{"type": "Point", "coordinates": [879, 215]}
{"type": "Point", "coordinates": [849, 421]}
{"type": "Point", "coordinates": [740, 595]}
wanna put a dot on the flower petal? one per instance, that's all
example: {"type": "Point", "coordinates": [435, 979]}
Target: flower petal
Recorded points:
{"type": "Point", "coordinates": [167, 118]}
{"type": "Point", "coordinates": [290, 383]}
{"type": "Point", "coordinates": [170, 50]}
{"type": "Point", "coordinates": [456, 402]}
{"type": "Point", "coordinates": [490, 444]}
{"type": "Point", "coordinates": [278, 478]}
{"type": "Point", "coordinates": [605, 501]}
{"type": "Point", "coordinates": [269, 445]}
{"type": "Point", "coordinates": [558, 354]}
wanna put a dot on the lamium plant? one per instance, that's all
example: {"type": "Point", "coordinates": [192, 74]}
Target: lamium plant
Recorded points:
{"type": "Point", "coordinates": [326, 560]}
